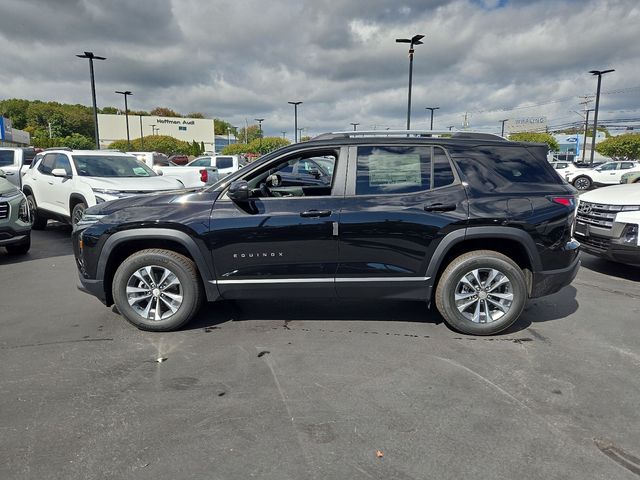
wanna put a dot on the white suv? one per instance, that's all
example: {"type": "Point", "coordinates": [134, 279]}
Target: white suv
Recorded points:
{"type": "Point", "coordinates": [226, 164]}
{"type": "Point", "coordinates": [609, 173]}
{"type": "Point", "coordinates": [63, 183]}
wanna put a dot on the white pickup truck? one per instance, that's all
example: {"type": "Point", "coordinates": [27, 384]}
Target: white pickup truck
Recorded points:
{"type": "Point", "coordinates": [190, 177]}
{"type": "Point", "coordinates": [15, 161]}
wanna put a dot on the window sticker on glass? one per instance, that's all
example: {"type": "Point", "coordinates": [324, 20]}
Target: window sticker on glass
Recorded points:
{"type": "Point", "coordinates": [141, 172]}
{"type": "Point", "coordinates": [389, 169]}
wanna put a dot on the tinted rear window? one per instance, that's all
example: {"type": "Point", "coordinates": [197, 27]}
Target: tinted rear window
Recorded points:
{"type": "Point", "coordinates": [498, 166]}
{"type": "Point", "coordinates": [6, 158]}
{"type": "Point", "coordinates": [224, 162]}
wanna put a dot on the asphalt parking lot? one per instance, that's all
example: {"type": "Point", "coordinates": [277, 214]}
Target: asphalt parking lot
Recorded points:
{"type": "Point", "coordinates": [298, 390]}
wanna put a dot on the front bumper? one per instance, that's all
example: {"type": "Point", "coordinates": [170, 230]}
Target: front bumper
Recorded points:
{"type": "Point", "coordinates": [605, 248]}
{"type": "Point", "coordinates": [10, 236]}
{"type": "Point", "coordinates": [92, 287]}
{"type": "Point", "coordinates": [547, 282]}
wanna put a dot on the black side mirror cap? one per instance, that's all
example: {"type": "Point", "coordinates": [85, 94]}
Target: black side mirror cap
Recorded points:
{"type": "Point", "coordinates": [239, 191]}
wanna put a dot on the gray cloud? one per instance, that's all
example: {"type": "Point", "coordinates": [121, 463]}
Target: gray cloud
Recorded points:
{"type": "Point", "coordinates": [242, 59]}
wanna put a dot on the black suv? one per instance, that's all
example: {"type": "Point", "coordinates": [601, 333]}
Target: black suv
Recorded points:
{"type": "Point", "coordinates": [471, 222]}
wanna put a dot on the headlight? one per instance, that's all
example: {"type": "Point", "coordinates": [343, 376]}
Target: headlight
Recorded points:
{"type": "Point", "coordinates": [24, 213]}
{"type": "Point", "coordinates": [88, 219]}
{"type": "Point", "coordinates": [630, 234]}
{"type": "Point", "coordinates": [106, 191]}
{"type": "Point", "coordinates": [630, 208]}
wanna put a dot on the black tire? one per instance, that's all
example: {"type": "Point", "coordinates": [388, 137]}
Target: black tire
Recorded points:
{"type": "Point", "coordinates": [189, 282]}
{"type": "Point", "coordinates": [77, 212]}
{"type": "Point", "coordinates": [19, 248]}
{"type": "Point", "coordinates": [39, 220]}
{"type": "Point", "coordinates": [452, 279]}
{"type": "Point", "coordinates": [582, 182]}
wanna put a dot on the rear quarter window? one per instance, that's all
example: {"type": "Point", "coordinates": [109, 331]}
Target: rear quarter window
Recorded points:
{"type": "Point", "coordinates": [500, 166]}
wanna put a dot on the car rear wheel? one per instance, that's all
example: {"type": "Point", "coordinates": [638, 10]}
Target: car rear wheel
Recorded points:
{"type": "Point", "coordinates": [481, 293]}
{"type": "Point", "coordinates": [39, 220]}
{"type": "Point", "coordinates": [157, 290]}
{"type": "Point", "coordinates": [582, 182]}
{"type": "Point", "coordinates": [77, 212]}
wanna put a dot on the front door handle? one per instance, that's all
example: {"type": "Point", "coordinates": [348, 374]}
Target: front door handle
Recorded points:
{"type": "Point", "coordinates": [439, 207]}
{"type": "Point", "coordinates": [315, 213]}
{"type": "Point", "coordinates": [9, 173]}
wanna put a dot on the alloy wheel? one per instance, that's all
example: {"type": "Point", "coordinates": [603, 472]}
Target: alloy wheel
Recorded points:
{"type": "Point", "coordinates": [484, 295]}
{"type": "Point", "coordinates": [154, 292]}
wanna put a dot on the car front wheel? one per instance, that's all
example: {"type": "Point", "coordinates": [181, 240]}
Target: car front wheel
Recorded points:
{"type": "Point", "coordinates": [77, 212]}
{"type": "Point", "coordinates": [582, 182]}
{"type": "Point", "coordinates": [157, 290]}
{"type": "Point", "coordinates": [19, 248]}
{"type": "Point", "coordinates": [481, 293]}
{"type": "Point", "coordinates": [39, 220]}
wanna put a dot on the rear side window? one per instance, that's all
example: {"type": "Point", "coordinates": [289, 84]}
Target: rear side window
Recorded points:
{"type": "Point", "coordinates": [626, 165]}
{"type": "Point", "coordinates": [392, 169]}
{"type": "Point", "coordinates": [27, 155]}
{"type": "Point", "coordinates": [442, 173]}
{"type": "Point", "coordinates": [6, 158]}
{"type": "Point", "coordinates": [499, 166]}
{"type": "Point", "coordinates": [224, 162]}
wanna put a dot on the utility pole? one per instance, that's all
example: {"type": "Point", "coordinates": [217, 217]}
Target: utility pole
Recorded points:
{"type": "Point", "coordinates": [50, 135]}
{"type": "Point", "coordinates": [465, 123]}
{"type": "Point", "coordinates": [260, 120]}
{"type": "Point", "coordinates": [91, 58]}
{"type": "Point", "coordinates": [141, 134]}
{"type": "Point", "coordinates": [599, 74]}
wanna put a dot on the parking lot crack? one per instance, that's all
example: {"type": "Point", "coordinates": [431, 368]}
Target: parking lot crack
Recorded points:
{"type": "Point", "coordinates": [60, 342]}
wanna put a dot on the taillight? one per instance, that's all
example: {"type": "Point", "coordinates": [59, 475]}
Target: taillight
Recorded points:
{"type": "Point", "coordinates": [204, 176]}
{"type": "Point", "coordinates": [569, 201]}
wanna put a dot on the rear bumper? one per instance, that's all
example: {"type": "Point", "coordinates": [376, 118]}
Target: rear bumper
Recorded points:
{"type": "Point", "coordinates": [550, 281]}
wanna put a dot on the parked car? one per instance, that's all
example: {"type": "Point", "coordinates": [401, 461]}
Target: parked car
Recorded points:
{"type": "Point", "coordinates": [473, 224]}
{"type": "Point", "coordinates": [179, 159]}
{"type": "Point", "coordinates": [15, 161]}
{"type": "Point", "coordinates": [563, 168]}
{"type": "Point", "coordinates": [189, 177]}
{"type": "Point", "coordinates": [65, 182]}
{"type": "Point", "coordinates": [609, 173]}
{"type": "Point", "coordinates": [15, 218]}
{"type": "Point", "coordinates": [226, 164]}
{"type": "Point", "coordinates": [608, 221]}
{"type": "Point", "coordinates": [630, 177]}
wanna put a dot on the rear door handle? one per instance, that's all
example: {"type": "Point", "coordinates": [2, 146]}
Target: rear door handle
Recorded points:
{"type": "Point", "coordinates": [9, 173]}
{"type": "Point", "coordinates": [315, 213]}
{"type": "Point", "coordinates": [439, 207]}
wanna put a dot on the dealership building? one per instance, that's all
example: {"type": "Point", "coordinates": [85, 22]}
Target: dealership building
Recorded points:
{"type": "Point", "coordinates": [114, 127]}
{"type": "Point", "coordinates": [12, 137]}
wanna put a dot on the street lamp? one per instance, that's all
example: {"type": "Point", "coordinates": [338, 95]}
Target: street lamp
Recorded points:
{"type": "Point", "coordinates": [415, 40]}
{"type": "Point", "coordinates": [126, 113]}
{"type": "Point", "coordinates": [153, 129]}
{"type": "Point", "coordinates": [503, 122]}
{"type": "Point", "coordinates": [432, 109]}
{"type": "Point", "coordinates": [450, 127]}
{"type": "Point", "coordinates": [295, 119]}
{"type": "Point", "coordinates": [260, 120]}
{"type": "Point", "coordinates": [599, 74]}
{"type": "Point", "coordinates": [91, 58]}
{"type": "Point", "coordinates": [283, 133]}
{"type": "Point", "coordinates": [355, 126]}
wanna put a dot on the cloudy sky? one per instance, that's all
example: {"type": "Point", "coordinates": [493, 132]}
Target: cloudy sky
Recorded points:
{"type": "Point", "coordinates": [242, 59]}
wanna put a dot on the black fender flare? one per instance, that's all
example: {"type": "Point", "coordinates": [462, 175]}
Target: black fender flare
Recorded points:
{"type": "Point", "coordinates": [473, 233]}
{"type": "Point", "coordinates": [205, 269]}
{"type": "Point", "coordinates": [76, 196]}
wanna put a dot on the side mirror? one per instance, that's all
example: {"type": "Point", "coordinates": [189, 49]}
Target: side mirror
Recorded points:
{"type": "Point", "coordinates": [314, 172]}
{"type": "Point", "coordinates": [2, 174]}
{"type": "Point", "coordinates": [59, 172]}
{"type": "Point", "coordinates": [239, 191]}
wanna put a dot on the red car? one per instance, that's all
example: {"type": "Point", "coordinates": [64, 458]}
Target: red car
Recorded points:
{"type": "Point", "coordinates": [179, 159]}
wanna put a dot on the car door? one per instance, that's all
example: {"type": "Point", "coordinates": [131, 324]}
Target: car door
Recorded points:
{"type": "Point", "coordinates": [61, 187]}
{"type": "Point", "coordinates": [285, 242]}
{"type": "Point", "coordinates": [400, 201]}
{"type": "Point", "coordinates": [607, 173]}
{"type": "Point", "coordinates": [42, 184]}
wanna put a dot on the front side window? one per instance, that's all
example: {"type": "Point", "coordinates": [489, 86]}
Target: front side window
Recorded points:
{"type": "Point", "coordinates": [201, 162]}
{"type": "Point", "coordinates": [110, 166]}
{"type": "Point", "coordinates": [62, 161]}
{"type": "Point", "coordinates": [607, 166]}
{"type": "Point", "coordinates": [46, 165]}
{"type": "Point", "coordinates": [392, 169]}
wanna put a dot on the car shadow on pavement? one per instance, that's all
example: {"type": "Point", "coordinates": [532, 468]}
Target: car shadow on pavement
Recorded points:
{"type": "Point", "coordinates": [545, 309]}
{"type": "Point", "coordinates": [613, 269]}
{"type": "Point", "coordinates": [55, 241]}
{"type": "Point", "coordinates": [213, 314]}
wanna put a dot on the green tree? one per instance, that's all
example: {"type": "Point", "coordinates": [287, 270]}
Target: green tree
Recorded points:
{"type": "Point", "coordinates": [626, 146]}
{"type": "Point", "coordinates": [235, 149]}
{"type": "Point", "coordinates": [155, 143]}
{"type": "Point", "coordinates": [267, 144]}
{"type": "Point", "coordinates": [75, 141]}
{"type": "Point", "coordinates": [220, 127]}
{"type": "Point", "coordinates": [195, 115]}
{"type": "Point", "coordinates": [247, 135]}
{"type": "Point", "coordinates": [16, 110]}
{"type": "Point", "coordinates": [110, 110]}
{"type": "Point", "coordinates": [305, 138]}
{"type": "Point", "coordinates": [536, 138]}
{"type": "Point", "coordinates": [164, 112]}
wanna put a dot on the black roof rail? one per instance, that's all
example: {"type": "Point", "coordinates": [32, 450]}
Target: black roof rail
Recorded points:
{"type": "Point", "coordinates": [410, 133]}
{"type": "Point", "coordinates": [66, 149]}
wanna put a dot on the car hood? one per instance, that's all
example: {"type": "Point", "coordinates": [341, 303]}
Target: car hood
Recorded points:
{"type": "Point", "coordinates": [7, 188]}
{"type": "Point", "coordinates": [625, 194]}
{"type": "Point", "coordinates": [133, 184]}
{"type": "Point", "coordinates": [158, 202]}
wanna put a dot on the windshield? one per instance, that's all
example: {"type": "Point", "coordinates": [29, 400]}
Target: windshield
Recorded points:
{"type": "Point", "coordinates": [110, 166]}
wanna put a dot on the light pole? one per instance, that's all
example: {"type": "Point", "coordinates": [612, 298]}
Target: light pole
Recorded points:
{"type": "Point", "coordinates": [450, 127]}
{"type": "Point", "coordinates": [599, 74]}
{"type": "Point", "coordinates": [126, 113]}
{"type": "Point", "coordinates": [355, 126]}
{"type": "Point", "coordinates": [260, 120]}
{"type": "Point", "coordinates": [432, 109]}
{"type": "Point", "coordinates": [283, 134]}
{"type": "Point", "coordinates": [295, 119]}
{"type": "Point", "coordinates": [91, 58]}
{"type": "Point", "coordinates": [503, 122]}
{"type": "Point", "coordinates": [153, 130]}
{"type": "Point", "coordinates": [586, 126]}
{"type": "Point", "coordinates": [301, 130]}
{"type": "Point", "coordinates": [415, 40]}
